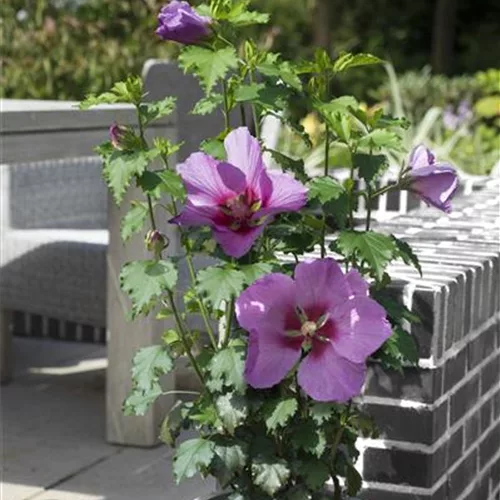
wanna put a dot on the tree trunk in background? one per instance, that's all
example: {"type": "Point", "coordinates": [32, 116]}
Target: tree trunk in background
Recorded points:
{"type": "Point", "coordinates": [322, 22]}
{"type": "Point", "coordinates": [443, 35]}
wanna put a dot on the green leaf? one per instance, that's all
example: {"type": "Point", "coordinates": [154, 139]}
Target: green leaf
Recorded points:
{"type": "Point", "coordinates": [374, 248]}
{"type": "Point", "coordinates": [347, 60]}
{"type": "Point", "coordinates": [353, 480]}
{"type": "Point", "coordinates": [228, 365]}
{"type": "Point", "coordinates": [381, 138]}
{"type": "Point", "coordinates": [139, 401]}
{"type": "Point", "coordinates": [208, 104]}
{"type": "Point", "coordinates": [134, 220]}
{"type": "Point", "coordinates": [232, 410]}
{"type": "Point", "coordinates": [282, 71]}
{"type": "Point", "coordinates": [253, 272]}
{"type": "Point", "coordinates": [309, 437]}
{"type": "Point", "coordinates": [406, 345]}
{"type": "Point", "coordinates": [210, 66]}
{"type": "Point", "coordinates": [248, 18]}
{"type": "Point", "coordinates": [315, 472]}
{"type": "Point", "coordinates": [281, 413]}
{"type": "Point", "coordinates": [172, 423]}
{"type": "Point", "coordinates": [325, 189]}
{"type": "Point", "coordinates": [272, 97]}
{"type": "Point", "coordinates": [322, 412]}
{"type": "Point", "coordinates": [270, 476]}
{"type": "Point", "coordinates": [149, 364]}
{"type": "Point", "coordinates": [145, 281]}
{"type": "Point", "coordinates": [232, 459]}
{"type": "Point", "coordinates": [121, 166]}
{"type": "Point", "coordinates": [370, 166]}
{"type": "Point", "coordinates": [192, 456]}
{"type": "Point", "coordinates": [220, 284]}
{"type": "Point", "coordinates": [214, 147]}
{"type": "Point", "coordinates": [290, 165]}
{"type": "Point", "coordinates": [338, 104]}
{"type": "Point", "coordinates": [95, 100]}
{"type": "Point", "coordinates": [172, 184]}
{"type": "Point", "coordinates": [405, 252]}
{"type": "Point", "coordinates": [156, 110]}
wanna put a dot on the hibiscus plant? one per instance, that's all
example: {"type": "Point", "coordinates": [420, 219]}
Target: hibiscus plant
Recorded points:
{"type": "Point", "coordinates": [296, 299]}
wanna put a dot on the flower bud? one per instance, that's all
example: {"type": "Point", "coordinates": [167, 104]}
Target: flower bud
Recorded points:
{"type": "Point", "coordinates": [117, 135]}
{"type": "Point", "coordinates": [179, 22]}
{"type": "Point", "coordinates": [156, 242]}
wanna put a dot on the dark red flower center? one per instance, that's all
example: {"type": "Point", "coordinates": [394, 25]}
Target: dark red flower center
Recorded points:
{"type": "Point", "coordinates": [237, 212]}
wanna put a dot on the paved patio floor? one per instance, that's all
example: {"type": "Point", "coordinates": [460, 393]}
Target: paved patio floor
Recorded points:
{"type": "Point", "coordinates": [52, 434]}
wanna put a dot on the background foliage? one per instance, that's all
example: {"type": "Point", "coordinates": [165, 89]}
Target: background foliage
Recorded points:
{"type": "Point", "coordinates": [64, 49]}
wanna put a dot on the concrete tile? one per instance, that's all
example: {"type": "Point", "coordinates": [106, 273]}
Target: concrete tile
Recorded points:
{"type": "Point", "coordinates": [53, 434]}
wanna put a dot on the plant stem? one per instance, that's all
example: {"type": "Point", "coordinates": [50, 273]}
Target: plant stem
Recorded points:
{"type": "Point", "coordinates": [151, 213]}
{"type": "Point", "coordinates": [229, 321]}
{"type": "Point", "coordinates": [325, 173]}
{"type": "Point", "coordinates": [227, 125]}
{"type": "Point", "coordinates": [203, 309]}
{"type": "Point", "coordinates": [192, 274]}
{"type": "Point", "coordinates": [184, 340]}
{"type": "Point", "coordinates": [243, 115]}
{"type": "Point", "coordinates": [368, 201]}
{"type": "Point", "coordinates": [254, 110]}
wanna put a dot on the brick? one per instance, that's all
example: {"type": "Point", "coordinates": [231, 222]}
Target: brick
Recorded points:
{"type": "Point", "coordinates": [415, 384]}
{"type": "Point", "coordinates": [53, 328]}
{"type": "Point", "coordinates": [464, 399]}
{"type": "Point", "coordinates": [415, 425]}
{"type": "Point", "coordinates": [496, 406]}
{"type": "Point", "coordinates": [486, 411]}
{"type": "Point", "coordinates": [495, 473]}
{"type": "Point", "coordinates": [481, 347]}
{"type": "Point", "coordinates": [472, 430]}
{"type": "Point", "coordinates": [398, 466]}
{"type": "Point", "coordinates": [373, 494]}
{"type": "Point", "coordinates": [489, 445]}
{"type": "Point", "coordinates": [480, 490]}
{"type": "Point", "coordinates": [462, 476]}
{"type": "Point", "coordinates": [426, 307]}
{"type": "Point", "coordinates": [490, 374]}
{"type": "Point", "coordinates": [454, 370]}
{"type": "Point", "coordinates": [455, 446]}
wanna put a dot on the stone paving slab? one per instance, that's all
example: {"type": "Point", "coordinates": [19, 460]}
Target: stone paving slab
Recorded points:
{"type": "Point", "coordinates": [53, 433]}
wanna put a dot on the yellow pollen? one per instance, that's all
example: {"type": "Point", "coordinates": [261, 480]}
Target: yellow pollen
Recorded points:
{"type": "Point", "coordinates": [308, 328]}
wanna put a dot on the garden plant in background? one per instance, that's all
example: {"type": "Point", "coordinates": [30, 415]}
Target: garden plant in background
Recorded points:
{"type": "Point", "coordinates": [286, 339]}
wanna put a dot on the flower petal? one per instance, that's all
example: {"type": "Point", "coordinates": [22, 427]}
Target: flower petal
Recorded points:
{"type": "Point", "coordinates": [320, 284]}
{"type": "Point", "coordinates": [436, 185]}
{"type": "Point", "coordinates": [271, 355]}
{"type": "Point", "coordinates": [232, 177]}
{"type": "Point", "coordinates": [266, 303]}
{"type": "Point", "coordinates": [192, 215]}
{"type": "Point", "coordinates": [358, 285]}
{"type": "Point", "coordinates": [361, 327]}
{"type": "Point", "coordinates": [204, 184]}
{"type": "Point", "coordinates": [282, 194]}
{"type": "Point", "coordinates": [326, 376]}
{"type": "Point", "coordinates": [237, 243]}
{"type": "Point", "coordinates": [421, 157]}
{"type": "Point", "coordinates": [243, 151]}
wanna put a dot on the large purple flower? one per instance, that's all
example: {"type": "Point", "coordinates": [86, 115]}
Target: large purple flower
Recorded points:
{"type": "Point", "coordinates": [239, 197]}
{"type": "Point", "coordinates": [435, 183]}
{"type": "Point", "coordinates": [322, 313]}
{"type": "Point", "coordinates": [179, 22]}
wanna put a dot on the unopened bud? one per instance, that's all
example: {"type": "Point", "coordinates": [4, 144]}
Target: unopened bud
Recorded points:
{"type": "Point", "coordinates": [117, 135]}
{"type": "Point", "coordinates": [156, 242]}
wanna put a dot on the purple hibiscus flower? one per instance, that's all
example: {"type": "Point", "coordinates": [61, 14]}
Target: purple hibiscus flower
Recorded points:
{"type": "Point", "coordinates": [179, 22]}
{"type": "Point", "coordinates": [237, 197]}
{"type": "Point", "coordinates": [322, 313]}
{"type": "Point", "coordinates": [435, 183]}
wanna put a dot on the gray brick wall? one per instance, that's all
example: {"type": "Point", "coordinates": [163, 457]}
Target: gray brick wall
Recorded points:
{"type": "Point", "coordinates": [440, 422]}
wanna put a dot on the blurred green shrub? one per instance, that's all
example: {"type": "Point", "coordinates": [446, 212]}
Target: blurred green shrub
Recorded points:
{"type": "Point", "coordinates": [64, 49]}
{"type": "Point", "coordinates": [459, 116]}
